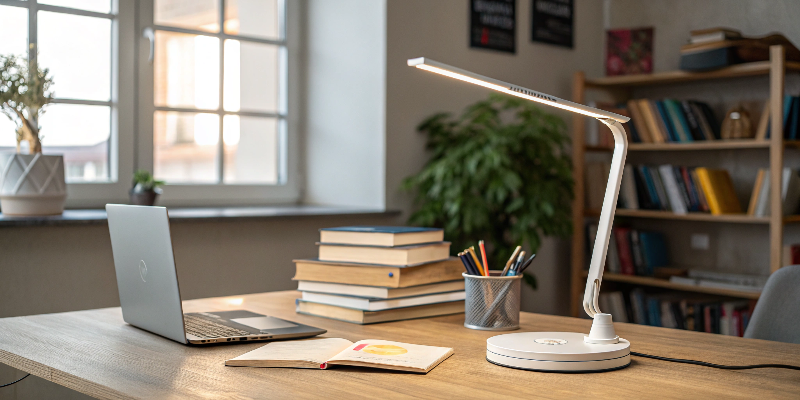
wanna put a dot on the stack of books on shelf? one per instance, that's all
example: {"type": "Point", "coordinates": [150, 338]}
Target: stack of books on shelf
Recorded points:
{"type": "Point", "coordinates": [377, 274]}
{"type": "Point", "coordinates": [722, 280]}
{"type": "Point", "coordinates": [633, 252]}
{"type": "Point", "coordinates": [790, 193]}
{"type": "Point", "coordinates": [659, 121]}
{"type": "Point", "coordinates": [791, 120]}
{"type": "Point", "coordinates": [676, 189]}
{"type": "Point", "coordinates": [714, 48]}
{"type": "Point", "coordinates": [679, 311]}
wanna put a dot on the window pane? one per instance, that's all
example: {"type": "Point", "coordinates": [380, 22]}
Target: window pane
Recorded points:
{"type": "Point", "coordinates": [251, 149]}
{"type": "Point", "coordinates": [258, 18]}
{"type": "Point", "coordinates": [81, 133]}
{"type": "Point", "coordinates": [201, 15]}
{"type": "Point", "coordinates": [186, 70]}
{"type": "Point", "coordinates": [14, 31]}
{"type": "Point", "coordinates": [101, 6]}
{"type": "Point", "coordinates": [251, 76]}
{"type": "Point", "coordinates": [77, 50]}
{"type": "Point", "coordinates": [185, 147]}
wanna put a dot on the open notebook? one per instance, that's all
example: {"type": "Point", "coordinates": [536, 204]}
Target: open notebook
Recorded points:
{"type": "Point", "coordinates": [321, 353]}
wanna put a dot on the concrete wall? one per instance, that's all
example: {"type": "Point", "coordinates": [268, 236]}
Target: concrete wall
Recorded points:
{"type": "Point", "coordinates": [345, 47]}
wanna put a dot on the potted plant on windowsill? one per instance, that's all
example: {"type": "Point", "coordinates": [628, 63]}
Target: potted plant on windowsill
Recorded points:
{"type": "Point", "coordinates": [31, 184]}
{"type": "Point", "coordinates": [145, 189]}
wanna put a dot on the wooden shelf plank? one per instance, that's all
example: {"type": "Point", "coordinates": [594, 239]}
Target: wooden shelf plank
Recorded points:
{"type": "Point", "coordinates": [661, 78]}
{"type": "Point", "coordinates": [701, 145]}
{"type": "Point", "coordinates": [663, 283]}
{"type": "Point", "coordinates": [692, 216]}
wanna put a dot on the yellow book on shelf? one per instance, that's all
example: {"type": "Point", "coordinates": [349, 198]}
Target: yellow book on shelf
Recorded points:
{"type": "Point", "coordinates": [718, 188]}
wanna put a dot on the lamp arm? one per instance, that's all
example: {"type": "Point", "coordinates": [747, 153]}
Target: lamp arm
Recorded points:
{"type": "Point", "coordinates": [600, 249]}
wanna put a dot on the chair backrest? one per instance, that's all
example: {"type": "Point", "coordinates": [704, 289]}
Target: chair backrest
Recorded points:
{"type": "Point", "coordinates": [777, 313]}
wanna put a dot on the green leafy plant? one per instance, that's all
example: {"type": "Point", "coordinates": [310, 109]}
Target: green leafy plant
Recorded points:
{"type": "Point", "coordinates": [24, 93]}
{"type": "Point", "coordinates": [499, 173]}
{"type": "Point", "coordinates": [143, 181]}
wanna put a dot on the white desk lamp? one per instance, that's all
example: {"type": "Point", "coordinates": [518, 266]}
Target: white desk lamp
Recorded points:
{"type": "Point", "coordinates": [602, 349]}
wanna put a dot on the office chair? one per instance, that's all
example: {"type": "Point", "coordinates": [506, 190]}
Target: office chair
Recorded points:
{"type": "Point", "coordinates": [777, 313]}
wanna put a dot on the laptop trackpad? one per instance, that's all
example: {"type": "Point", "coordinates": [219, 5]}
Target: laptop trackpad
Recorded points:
{"type": "Point", "coordinates": [264, 323]}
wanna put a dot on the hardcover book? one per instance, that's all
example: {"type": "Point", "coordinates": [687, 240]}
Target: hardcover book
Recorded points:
{"type": "Point", "coordinates": [387, 236]}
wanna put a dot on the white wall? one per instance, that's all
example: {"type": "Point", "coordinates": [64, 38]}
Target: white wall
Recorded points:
{"type": "Point", "coordinates": [344, 99]}
{"type": "Point", "coordinates": [439, 30]}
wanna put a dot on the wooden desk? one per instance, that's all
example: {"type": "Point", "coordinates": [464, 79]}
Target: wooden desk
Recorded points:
{"type": "Point", "coordinates": [96, 353]}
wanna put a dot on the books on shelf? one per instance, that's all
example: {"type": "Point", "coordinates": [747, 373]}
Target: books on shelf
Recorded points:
{"type": "Point", "coordinates": [387, 236]}
{"type": "Point", "coordinates": [634, 252]}
{"type": "Point", "coordinates": [681, 311]}
{"type": "Point", "coordinates": [325, 352]}
{"type": "Point", "coordinates": [759, 205]}
{"type": "Point", "coordinates": [713, 35]}
{"type": "Point", "coordinates": [356, 280]}
{"type": "Point", "coordinates": [671, 121]}
{"type": "Point", "coordinates": [722, 280]}
{"type": "Point", "coordinates": [678, 189]}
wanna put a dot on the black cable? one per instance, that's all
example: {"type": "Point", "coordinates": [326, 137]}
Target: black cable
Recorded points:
{"type": "Point", "coordinates": [9, 384]}
{"type": "Point", "coordinates": [705, 364]}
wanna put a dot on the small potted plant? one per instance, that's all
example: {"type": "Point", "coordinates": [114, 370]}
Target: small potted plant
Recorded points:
{"type": "Point", "coordinates": [145, 188]}
{"type": "Point", "coordinates": [30, 183]}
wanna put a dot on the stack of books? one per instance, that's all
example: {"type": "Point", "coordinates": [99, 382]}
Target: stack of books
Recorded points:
{"type": "Point", "coordinates": [722, 47]}
{"type": "Point", "coordinates": [677, 189]}
{"type": "Point", "coordinates": [722, 280]}
{"type": "Point", "coordinates": [377, 274]}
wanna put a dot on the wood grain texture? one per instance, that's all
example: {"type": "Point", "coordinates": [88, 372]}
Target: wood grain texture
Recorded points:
{"type": "Point", "coordinates": [668, 77]}
{"type": "Point", "coordinates": [577, 257]}
{"type": "Point", "coordinates": [776, 89]}
{"type": "Point", "coordinates": [96, 353]}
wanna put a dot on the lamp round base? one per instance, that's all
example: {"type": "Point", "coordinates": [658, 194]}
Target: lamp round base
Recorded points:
{"type": "Point", "coordinates": [556, 352]}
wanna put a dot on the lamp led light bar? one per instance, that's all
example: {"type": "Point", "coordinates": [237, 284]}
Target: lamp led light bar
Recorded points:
{"type": "Point", "coordinates": [602, 349]}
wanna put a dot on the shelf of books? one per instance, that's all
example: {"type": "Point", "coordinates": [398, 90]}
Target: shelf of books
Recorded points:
{"type": "Point", "coordinates": [641, 283]}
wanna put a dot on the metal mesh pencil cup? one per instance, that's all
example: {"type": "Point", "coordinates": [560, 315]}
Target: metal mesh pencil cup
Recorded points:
{"type": "Point", "coordinates": [492, 302]}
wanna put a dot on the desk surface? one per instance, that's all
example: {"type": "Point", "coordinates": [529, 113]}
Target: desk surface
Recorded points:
{"type": "Point", "coordinates": [96, 353]}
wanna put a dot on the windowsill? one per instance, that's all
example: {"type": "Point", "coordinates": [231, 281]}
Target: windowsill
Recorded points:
{"type": "Point", "coordinates": [89, 217]}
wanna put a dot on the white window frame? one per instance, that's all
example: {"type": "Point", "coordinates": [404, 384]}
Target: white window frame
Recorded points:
{"type": "Point", "coordinates": [122, 101]}
{"type": "Point", "coordinates": [287, 191]}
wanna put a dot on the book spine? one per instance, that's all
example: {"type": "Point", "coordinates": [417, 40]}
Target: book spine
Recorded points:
{"type": "Point", "coordinates": [671, 186]}
{"type": "Point", "coordinates": [691, 121]}
{"type": "Point", "coordinates": [636, 250]}
{"type": "Point", "coordinates": [676, 172]}
{"type": "Point", "coordinates": [650, 117]}
{"type": "Point", "coordinates": [676, 118]}
{"type": "Point", "coordinates": [664, 120]}
{"type": "Point", "coordinates": [624, 250]}
{"type": "Point", "coordinates": [708, 190]}
{"type": "Point", "coordinates": [639, 122]}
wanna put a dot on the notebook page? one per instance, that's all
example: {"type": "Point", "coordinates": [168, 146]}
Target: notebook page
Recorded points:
{"type": "Point", "coordinates": [313, 350]}
{"type": "Point", "coordinates": [385, 353]}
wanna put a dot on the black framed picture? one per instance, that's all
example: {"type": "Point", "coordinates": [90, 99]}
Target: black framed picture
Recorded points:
{"type": "Point", "coordinates": [493, 25]}
{"type": "Point", "coordinates": [552, 22]}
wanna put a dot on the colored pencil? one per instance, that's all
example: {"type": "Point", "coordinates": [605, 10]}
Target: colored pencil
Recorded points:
{"type": "Point", "coordinates": [475, 259]}
{"type": "Point", "coordinates": [510, 260]}
{"type": "Point", "coordinates": [483, 256]}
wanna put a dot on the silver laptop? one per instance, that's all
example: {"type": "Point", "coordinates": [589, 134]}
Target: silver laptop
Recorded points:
{"type": "Point", "coordinates": [149, 294]}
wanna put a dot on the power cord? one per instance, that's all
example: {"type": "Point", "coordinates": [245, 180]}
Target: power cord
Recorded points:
{"type": "Point", "coordinates": [705, 364]}
{"type": "Point", "coordinates": [9, 384]}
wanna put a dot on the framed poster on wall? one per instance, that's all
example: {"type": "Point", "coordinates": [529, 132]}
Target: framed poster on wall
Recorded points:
{"type": "Point", "coordinates": [493, 25]}
{"type": "Point", "coordinates": [552, 22]}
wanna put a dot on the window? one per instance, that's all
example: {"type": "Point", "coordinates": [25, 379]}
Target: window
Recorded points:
{"type": "Point", "coordinates": [213, 100]}
{"type": "Point", "coordinates": [73, 39]}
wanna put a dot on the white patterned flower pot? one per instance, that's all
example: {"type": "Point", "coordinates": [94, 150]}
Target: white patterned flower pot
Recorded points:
{"type": "Point", "coordinates": [32, 184]}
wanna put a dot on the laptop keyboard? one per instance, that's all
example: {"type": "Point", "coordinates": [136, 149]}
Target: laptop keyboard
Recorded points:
{"type": "Point", "coordinates": [204, 328]}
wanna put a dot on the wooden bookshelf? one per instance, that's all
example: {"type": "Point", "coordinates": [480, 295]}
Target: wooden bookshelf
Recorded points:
{"type": "Point", "coordinates": [666, 284]}
{"type": "Point", "coordinates": [670, 77]}
{"type": "Point", "coordinates": [620, 87]}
